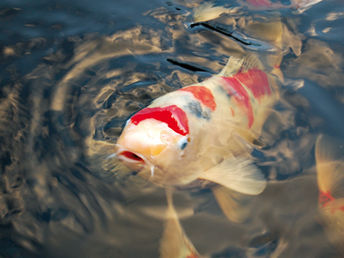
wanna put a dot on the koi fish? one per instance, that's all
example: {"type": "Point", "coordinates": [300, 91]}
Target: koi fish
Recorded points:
{"type": "Point", "coordinates": [330, 177]}
{"type": "Point", "coordinates": [203, 134]}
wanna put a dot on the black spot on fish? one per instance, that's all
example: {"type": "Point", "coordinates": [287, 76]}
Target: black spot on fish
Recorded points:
{"type": "Point", "coordinates": [223, 91]}
{"type": "Point", "coordinates": [196, 109]}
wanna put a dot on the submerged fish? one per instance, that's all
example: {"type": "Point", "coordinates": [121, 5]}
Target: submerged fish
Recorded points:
{"type": "Point", "coordinates": [330, 176]}
{"type": "Point", "coordinates": [203, 134]}
{"type": "Point", "coordinates": [271, 35]}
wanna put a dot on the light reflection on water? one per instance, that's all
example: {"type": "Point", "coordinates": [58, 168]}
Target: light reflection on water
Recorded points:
{"type": "Point", "coordinates": [72, 73]}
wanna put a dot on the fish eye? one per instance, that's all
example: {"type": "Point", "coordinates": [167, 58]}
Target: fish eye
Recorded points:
{"type": "Point", "coordinates": [183, 142]}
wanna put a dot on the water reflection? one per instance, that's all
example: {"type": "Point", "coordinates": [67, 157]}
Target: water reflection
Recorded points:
{"type": "Point", "coordinates": [66, 92]}
{"type": "Point", "coordinates": [319, 63]}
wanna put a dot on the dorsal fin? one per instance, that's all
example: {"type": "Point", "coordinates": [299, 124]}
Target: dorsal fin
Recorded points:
{"type": "Point", "coordinates": [240, 64]}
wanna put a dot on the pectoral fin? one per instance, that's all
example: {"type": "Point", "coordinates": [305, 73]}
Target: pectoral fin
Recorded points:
{"type": "Point", "coordinates": [237, 174]}
{"type": "Point", "coordinates": [175, 243]}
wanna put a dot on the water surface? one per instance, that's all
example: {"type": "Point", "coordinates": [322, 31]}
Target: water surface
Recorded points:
{"type": "Point", "coordinates": [72, 72]}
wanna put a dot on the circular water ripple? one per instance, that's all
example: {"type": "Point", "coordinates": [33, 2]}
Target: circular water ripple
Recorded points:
{"type": "Point", "coordinates": [71, 76]}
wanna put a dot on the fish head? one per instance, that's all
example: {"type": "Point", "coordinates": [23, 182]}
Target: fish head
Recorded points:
{"type": "Point", "coordinates": [152, 141]}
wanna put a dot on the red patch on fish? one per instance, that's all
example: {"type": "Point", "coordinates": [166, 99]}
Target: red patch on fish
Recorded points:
{"type": "Point", "coordinates": [192, 255]}
{"type": "Point", "coordinates": [235, 89]}
{"type": "Point", "coordinates": [203, 95]}
{"type": "Point", "coordinates": [173, 116]}
{"type": "Point", "coordinates": [325, 198]}
{"type": "Point", "coordinates": [233, 113]}
{"type": "Point", "coordinates": [256, 81]}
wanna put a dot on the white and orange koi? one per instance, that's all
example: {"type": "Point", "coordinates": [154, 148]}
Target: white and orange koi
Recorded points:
{"type": "Point", "coordinates": [330, 176]}
{"type": "Point", "coordinates": [203, 133]}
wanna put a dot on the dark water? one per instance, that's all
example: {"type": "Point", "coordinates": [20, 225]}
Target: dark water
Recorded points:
{"type": "Point", "coordinates": [72, 72]}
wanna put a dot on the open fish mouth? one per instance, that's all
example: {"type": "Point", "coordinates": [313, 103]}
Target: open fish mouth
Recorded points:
{"type": "Point", "coordinates": [133, 160]}
{"type": "Point", "coordinates": [130, 156]}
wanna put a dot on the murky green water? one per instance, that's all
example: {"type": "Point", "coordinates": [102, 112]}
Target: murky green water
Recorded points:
{"type": "Point", "coordinates": [72, 72]}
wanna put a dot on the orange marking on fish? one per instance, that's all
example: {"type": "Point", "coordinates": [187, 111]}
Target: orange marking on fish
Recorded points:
{"type": "Point", "coordinates": [233, 113]}
{"type": "Point", "coordinates": [235, 89]}
{"type": "Point", "coordinates": [325, 198]}
{"type": "Point", "coordinates": [203, 95]}
{"type": "Point", "coordinates": [256, 81]}
{"type": "Point", "coordinates": [192, 255]}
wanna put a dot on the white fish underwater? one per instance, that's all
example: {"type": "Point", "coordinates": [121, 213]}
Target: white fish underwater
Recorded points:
{"type": "Point", "coordinates": [203, 133]}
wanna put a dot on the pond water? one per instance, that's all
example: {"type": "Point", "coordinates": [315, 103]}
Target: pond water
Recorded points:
{"type": "Point", "coordinates": [72, 73]}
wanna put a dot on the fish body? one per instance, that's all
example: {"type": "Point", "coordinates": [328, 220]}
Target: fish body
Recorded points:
{"type": "Point", "coordinates": [203, 132]}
